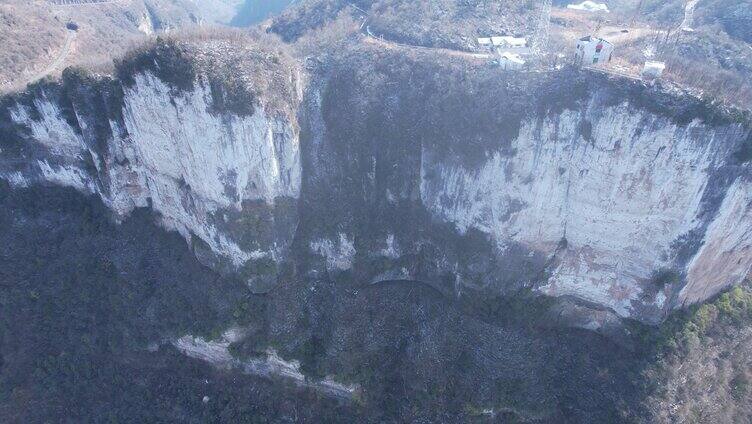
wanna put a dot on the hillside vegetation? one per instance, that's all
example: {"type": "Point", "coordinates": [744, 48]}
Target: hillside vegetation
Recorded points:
{"type": "Point", "coordinates": [82, 301]}
{"type": "Point", "coordinates": [86, 299]}
{"type": "Point", "coordinates": [242, 70]}
{"type": "Point", "coordinates": [731, 16]}
{"type": "Point", "coordinates": [710, 60]}
{"type": "Point", "coordinates": [33, 32]}
{"type": "Point", "coordinates": [29, 40]}
{"type": "Point", "coordinates": [703, 369]}
{"type": "Point", "coordinates": [441, 23]}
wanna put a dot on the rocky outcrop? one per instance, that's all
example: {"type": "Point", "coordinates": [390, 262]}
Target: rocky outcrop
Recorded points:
{"type": "Point", "coordinates": [611, 195]}
{"type": "Point", "coordinates": [217, 353]}
{"type": "Point", "coordinates": [220, 177]}
{"type": "Point", "coordinates": [570, 185]}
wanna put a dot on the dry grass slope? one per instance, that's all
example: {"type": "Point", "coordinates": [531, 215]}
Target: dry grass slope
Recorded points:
{"type": "Point", "coordinates": [243, 70]}
{"type": "Point", "coordinates": [439, 23]}
{"type": "Point", "coordinates": [33, 32]}
{"type": "Point", "coordinates": [29, 40]}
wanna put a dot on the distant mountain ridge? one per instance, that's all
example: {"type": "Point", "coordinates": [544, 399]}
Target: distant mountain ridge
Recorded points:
{"type": "Point", "coordinates": [255, 11]}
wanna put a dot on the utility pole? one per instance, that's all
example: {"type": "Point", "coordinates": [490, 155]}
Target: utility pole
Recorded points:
{"type": "Point", "coordinates": [598, 25]}
{"type": "Point", "coordinates": [540, 37]}
{"type": "Point", "coordinates": [637, 13]}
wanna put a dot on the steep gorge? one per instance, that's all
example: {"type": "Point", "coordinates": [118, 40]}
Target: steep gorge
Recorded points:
{"type": "Point", "coordinates": [399, 220]}
{"type": "Point", "coordinates": [568, 184]}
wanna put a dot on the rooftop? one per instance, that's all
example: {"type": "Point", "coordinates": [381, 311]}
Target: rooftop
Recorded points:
{"type": "Point", "coordinates": [592, 38]}
{"type": "Point", "coordinates": [503, 41]}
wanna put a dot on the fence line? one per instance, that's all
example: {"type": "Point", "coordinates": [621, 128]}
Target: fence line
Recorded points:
{"type": "Point", "coordinates": [80, 2]}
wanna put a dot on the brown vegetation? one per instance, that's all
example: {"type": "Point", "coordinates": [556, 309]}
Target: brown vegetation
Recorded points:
{"type": "Point", "coordinates": [33, 32]}
{"type": "Point", "coordinates": [242, 69]}
{"type": "Point", "coordinates": [29, 40]}
{"type": "Point", "coordinates": [709, 64]}
{"type": "Point", "coordinates": [443, 23]}
{"type": "Point", "coordinates": [705, 374]}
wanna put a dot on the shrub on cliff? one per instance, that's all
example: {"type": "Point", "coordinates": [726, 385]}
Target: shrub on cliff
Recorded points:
{"type": "Point", "coordinates": [703, 366]}
{"type": "Point", "coordinates": [732, 308]}
{"type": "Point", "coordinates": [167, 59]}
{"type": "Point", "coordinates": [242, 71]}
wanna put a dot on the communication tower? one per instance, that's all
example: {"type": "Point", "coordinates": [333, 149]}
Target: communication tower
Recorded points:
{"type": "Point", "coordinates": [540, 37]}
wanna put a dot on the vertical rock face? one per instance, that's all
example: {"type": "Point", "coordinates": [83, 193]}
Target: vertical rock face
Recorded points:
{"type": "Point", "coordinates": [611, 206]}
{"type": "Point", "coordinates": [620, 196]}
{"type": "Point", "coordinates": [614, 196]}
{"type": "Point", "coordinates": [724, 257]}
{"type": "Point", "coordinates": [221, 179]}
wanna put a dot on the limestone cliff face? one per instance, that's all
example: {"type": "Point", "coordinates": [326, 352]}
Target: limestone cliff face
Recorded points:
{"type": "Point", "coordinates": [615, 197]}
{"type": "Point", "coordinates": [222, 179]}
{"type": "Point", "coordinates": [613, 193]}
{"type": "Point", "coordinates": [611, 206]}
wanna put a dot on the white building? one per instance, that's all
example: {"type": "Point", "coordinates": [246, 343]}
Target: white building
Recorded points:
{"type": "Point", "coordinates": [511, 61]}
{"type": "Point", "coordinates": [589, 6]}
{"type": "Point", "coordinates": [503, 42]}
{"type": "Point", "coordinates": [653, 70]}
{"type": "Point", "coordinates": [485, 42]}
{"type": "Point", "coordinates": [593, 50]}
{"type": "Point", "coordinates": [510, 50]}
{"type": "Point", "coordinates": [509, 42]}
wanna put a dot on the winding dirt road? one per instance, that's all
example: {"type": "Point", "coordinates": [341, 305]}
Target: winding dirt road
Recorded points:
{"type": "Point", "coordinates": [384, 43]}
{"type": "Point", "coordinates": [59, 60]}
{"type": "Point", "coordinates": [80, 2]}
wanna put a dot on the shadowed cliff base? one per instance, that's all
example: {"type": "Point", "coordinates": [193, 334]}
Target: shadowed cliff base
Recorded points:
{"type": "Point", "coordinates": [85, 298]}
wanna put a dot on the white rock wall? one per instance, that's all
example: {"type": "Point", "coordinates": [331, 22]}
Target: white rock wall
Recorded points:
{"type": "Point", "coordinates": [724, 257]}
{"type": "Point", "coordinates": [620, 199]}
{"type": "Point", "coordinates": [187, 161]}
{"type": "Point", "coordinates": [217, 353]}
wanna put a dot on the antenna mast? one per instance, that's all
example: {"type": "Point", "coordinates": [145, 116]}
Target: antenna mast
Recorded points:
{"type": "Point", "coordinates": [540, 37]}
{"type": "Point", "coordinates": [637, 13]}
